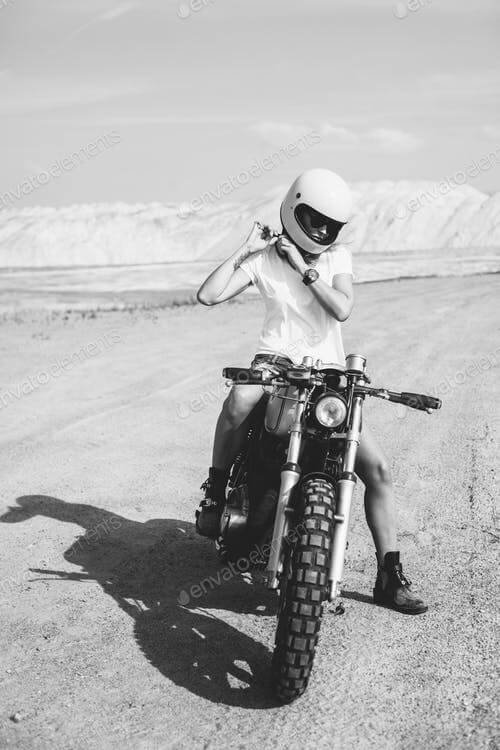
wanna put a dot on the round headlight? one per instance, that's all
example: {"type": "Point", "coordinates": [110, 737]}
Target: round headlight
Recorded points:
{"type": "Point", "coordinates": [330, 411]}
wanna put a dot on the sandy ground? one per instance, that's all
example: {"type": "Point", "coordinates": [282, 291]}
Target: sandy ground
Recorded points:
{"type": "Point", "coordinates": [101, 463]}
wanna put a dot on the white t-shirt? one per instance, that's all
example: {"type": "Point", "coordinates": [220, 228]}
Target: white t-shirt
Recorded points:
{"type": "Point", "coordinates": [295, 324]}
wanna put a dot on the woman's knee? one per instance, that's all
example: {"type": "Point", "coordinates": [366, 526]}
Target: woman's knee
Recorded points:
{"type": "Point", "coordinates": [377, 473]}
{"type": "Point", "coordinates": [240, 402]}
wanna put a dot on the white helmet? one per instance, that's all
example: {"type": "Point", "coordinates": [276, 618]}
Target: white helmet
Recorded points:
{"type": "Point", "coordinates": [315, 209]}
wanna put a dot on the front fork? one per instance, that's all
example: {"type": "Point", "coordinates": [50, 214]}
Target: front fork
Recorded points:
{"type": "Point", "coordinates": [344, 491]}
{"type": "Point", "coordinates": [290, 476]}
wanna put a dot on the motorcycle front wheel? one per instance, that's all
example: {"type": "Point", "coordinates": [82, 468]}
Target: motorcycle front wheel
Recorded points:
{"type": "Point", "coordinates": [303, 592]}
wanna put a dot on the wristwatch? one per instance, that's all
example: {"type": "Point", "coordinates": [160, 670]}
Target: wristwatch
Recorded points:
{"type": "Point", "coordinates": [310, 276]}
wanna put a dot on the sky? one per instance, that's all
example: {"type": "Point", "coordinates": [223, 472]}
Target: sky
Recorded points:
{"type": "Point", "coordinates": [187, 95]}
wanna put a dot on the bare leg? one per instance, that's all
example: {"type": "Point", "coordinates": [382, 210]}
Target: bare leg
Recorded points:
{"type": "Point", "coordinates": [373, 470]}
{"type": "Point", "coordinates": [232, 424]}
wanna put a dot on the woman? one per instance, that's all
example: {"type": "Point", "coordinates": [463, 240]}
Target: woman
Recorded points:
{"type": "Point", "coordinates": [305, 279]}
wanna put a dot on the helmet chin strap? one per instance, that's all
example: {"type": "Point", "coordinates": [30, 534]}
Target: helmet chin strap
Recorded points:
{"type": "Point", "coordinates": [310, 258]}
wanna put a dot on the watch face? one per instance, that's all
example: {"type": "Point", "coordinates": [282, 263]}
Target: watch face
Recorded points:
{"type": "Point", "coordinates": [310, 275]}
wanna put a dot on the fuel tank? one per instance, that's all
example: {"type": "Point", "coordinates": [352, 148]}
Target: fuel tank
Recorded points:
{"type": "Point", "coordinates": [280, 410]}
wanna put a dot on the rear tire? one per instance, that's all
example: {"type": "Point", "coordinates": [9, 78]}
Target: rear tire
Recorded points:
{"type": "Point", "coordinates": [305, 590]}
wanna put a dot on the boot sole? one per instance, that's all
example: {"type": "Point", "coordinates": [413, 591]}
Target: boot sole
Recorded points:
{"type": "Point", "coordinates": [403, 610]}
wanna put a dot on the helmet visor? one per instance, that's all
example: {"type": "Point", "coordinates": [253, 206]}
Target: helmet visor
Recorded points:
{"type": "Point", "coordinates": [318, 227]}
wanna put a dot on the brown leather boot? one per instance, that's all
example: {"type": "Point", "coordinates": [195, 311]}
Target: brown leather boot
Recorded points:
{"type": "Point", "coordinates": [393, 589]}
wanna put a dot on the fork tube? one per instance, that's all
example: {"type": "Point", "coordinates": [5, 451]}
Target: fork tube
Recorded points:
{"type": "Point", "coordinates": [290, 475]}
{"type": "Point", "coordinates": [344, 492]}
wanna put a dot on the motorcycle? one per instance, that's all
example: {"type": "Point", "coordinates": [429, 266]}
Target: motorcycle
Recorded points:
{"type": "Point", "coordinates": [290, 494]}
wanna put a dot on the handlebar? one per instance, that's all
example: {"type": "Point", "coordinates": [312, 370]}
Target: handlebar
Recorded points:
{"type": "Point", "coordinates": [247, 376]}
{"type": "Point", "coordinates": [413, 400]}
{"type": "Point", "coordinates": [420, 401]}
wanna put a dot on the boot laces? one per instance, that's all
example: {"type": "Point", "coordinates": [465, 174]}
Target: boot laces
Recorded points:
{"type": "Point", "coordinates": [404, 581]}
{"type": "Point", "coordinates": [208, 485]}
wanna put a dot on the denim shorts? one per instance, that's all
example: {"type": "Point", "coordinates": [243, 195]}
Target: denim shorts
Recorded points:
{"type": "Point", "coordinates": [274, 364]}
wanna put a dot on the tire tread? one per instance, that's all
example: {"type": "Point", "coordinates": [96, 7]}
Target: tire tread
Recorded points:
{"type": "Point", "coordinates": [300, 620]}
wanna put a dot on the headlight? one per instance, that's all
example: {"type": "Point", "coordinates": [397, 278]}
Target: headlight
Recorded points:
{"type": "Point", "coordinates": [330, 411]}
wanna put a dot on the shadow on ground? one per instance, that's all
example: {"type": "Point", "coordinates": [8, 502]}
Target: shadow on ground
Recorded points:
{"type": "Point", "coordinates": [149, 569]}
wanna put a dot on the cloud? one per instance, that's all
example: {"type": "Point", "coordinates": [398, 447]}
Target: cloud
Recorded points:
{"type": "Point", "coordinates": [160, 119]}
{"type": "Point", "coordinates": [116, 12]}
{"type": "Point", "coordinates": [280, 133]}
{"type": "Point", "coordinates": [123, 119]}
{"type": "Point", "coordinates": [389, 140]}
{"type": "Point", "coordinates": [393, 141]}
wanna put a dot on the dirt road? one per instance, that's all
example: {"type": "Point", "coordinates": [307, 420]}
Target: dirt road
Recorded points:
{"type": "Point", "coordinates": [106, 429]}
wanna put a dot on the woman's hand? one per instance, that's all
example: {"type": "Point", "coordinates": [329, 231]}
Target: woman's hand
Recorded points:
{"type": "Point", "coordinates": [286, 249]}
{"type": "Point", "coordinates": [259, 238]}
{"type": "Point", "coordinates": [229, 279]}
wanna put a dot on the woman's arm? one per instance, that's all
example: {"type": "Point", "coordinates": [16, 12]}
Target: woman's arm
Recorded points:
{"type": "Point", "coordinates": [237, 283]}
{"type": "Point", "coordinates": [337, 299]}
{"type": "Point", "coordinates": [229, 279]}
{"type": "Point", "coordinates": [226, 281]}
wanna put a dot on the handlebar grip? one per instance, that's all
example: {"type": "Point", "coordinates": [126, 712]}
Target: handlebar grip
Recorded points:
{"type": "Point", "coordinates": [419, 401]}
{"type": "Point", "coordinates": [244, 376]}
